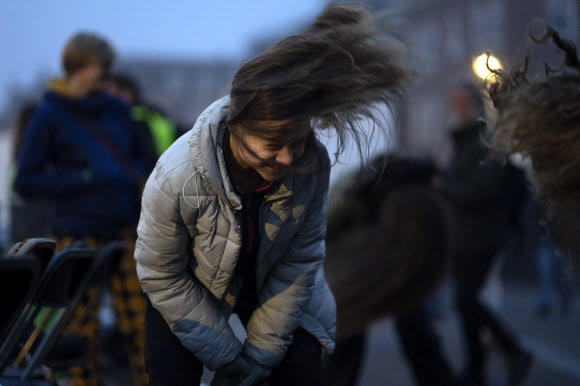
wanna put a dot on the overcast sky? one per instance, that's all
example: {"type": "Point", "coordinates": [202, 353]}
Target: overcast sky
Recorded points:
{"type": "Point", "coordinates": [32, 32]}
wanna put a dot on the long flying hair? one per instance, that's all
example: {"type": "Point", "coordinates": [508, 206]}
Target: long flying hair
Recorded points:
{"type": "Point", "coordinates": [333, 73]}
{"type": "Point", "coordinates": [388, 243]}
{"type": "Point", "coordinates": [538, 115]}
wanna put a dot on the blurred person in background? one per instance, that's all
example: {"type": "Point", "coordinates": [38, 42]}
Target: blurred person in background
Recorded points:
{"type": "Point", "coordinates": [554, 275]}
{"type": "Point", "coordinates": [234, 215]}
{"type": "Point", "coordinates": [159, 131]}
{"type": "Point", "coordinates": [388, 249]}
{"type": "Point", "coordinates": [480, 194]}
{"type": "Point", "coordinates": [80, 151]}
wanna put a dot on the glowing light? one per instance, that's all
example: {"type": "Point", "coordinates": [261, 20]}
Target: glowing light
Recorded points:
{"type": "Point", "coordinates": [483, 63]}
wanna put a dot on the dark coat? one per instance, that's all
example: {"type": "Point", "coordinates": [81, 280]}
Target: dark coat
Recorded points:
{"type": "Point", "coordinates": [477, 189]}
{"type": "Point", "coordinates": [90, 193]}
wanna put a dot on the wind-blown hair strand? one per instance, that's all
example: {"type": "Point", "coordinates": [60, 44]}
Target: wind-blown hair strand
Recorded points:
{"type": "Point", "coordinates": [539, 116]}
{"type": "Point", "coordinates": [335, 73]}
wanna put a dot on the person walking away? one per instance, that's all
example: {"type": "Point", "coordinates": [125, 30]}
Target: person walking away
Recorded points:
{"type": "Point", "coordinates": [477, 190]}
{"type": "Point", "coordinates": [80, 150]}
{"type": "Point", "coordinates": [388, 249]}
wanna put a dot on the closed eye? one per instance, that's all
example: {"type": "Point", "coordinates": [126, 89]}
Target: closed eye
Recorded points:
{"type": "Point", "coordinates": [293, 145]}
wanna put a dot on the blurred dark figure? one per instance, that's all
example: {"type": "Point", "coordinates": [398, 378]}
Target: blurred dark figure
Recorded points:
{"type": "Point", "coordinates": [481, 197]}
{"type": "Point", "coordinates": [80, 149]}
{"type": "Point", "coordinates": [159, 131]}
{"type": "Point", "coordinates": [538, 115]}
{"type": "Point", "coordinates": [387, 251]}
{"type": "Point", "coordinates": [554, 277]}
{"type": "Point", "coordinates": [28, 218]}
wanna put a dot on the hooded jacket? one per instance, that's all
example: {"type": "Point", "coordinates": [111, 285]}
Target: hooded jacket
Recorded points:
{"type": "Point", "coordinates": [189, 240]}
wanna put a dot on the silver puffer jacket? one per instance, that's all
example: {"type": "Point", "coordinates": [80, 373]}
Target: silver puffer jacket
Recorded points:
{"type": "Point", "coordinates": [189, 240]}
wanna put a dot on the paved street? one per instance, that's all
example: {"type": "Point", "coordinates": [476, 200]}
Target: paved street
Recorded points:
{"type": "Point", "coordinates": [555, 342]}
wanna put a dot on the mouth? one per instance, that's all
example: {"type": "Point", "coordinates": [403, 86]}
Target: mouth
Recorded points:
{"type": "Point", "coordinates": [275, 166]}
{"type": "Point", "coordinates": [277, 172]}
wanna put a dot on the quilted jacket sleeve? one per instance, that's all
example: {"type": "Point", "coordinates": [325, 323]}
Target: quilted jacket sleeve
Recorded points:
{"type": "Point", "coordinates": [163, 253]}
{"type": "Point", "coordinates": [289, 286]}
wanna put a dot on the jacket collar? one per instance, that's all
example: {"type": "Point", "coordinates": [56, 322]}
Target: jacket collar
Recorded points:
{"type": "Point", "coordinates": [58, 94]}
{"type": "Point", "coordinates": [206, 149]}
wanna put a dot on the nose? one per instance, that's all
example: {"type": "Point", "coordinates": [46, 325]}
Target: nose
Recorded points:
{"type": "Point", "coordinates": [284, 156]}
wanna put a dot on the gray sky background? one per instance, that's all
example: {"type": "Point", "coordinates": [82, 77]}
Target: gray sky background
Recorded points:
{"type": "Point", "coordinates": [32, 32]}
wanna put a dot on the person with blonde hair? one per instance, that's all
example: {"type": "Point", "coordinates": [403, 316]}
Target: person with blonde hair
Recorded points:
{"type": "Point", "coordinates": [537, 115]}
{"type": "Point", "coordinates": [234, 215]}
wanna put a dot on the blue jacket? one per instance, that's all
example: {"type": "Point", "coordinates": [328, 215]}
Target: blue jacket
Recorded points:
{"type": "Point", "coordinates": [91, 194]}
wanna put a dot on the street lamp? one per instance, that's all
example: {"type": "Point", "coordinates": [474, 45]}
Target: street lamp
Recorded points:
{"type": "Point", "coordinates": [484, 63]}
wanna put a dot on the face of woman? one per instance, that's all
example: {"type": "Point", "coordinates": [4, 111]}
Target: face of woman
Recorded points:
{"type": "Point", "coordinates": [273, 155]}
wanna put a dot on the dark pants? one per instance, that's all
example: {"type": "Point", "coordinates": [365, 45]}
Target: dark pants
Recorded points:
{"type": "Point", "coordinates": [471, 273]}
{"type": "Point", "coordinates": [169, 363]}
{"type": "Point", "coordinates": [418, 340]}
{"type": "Point", "coordinates": [422, 348]}
{"type": "Point", "coordinates": [343, 366]}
